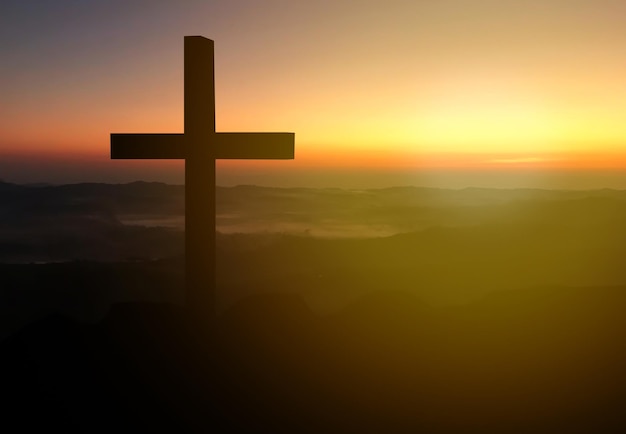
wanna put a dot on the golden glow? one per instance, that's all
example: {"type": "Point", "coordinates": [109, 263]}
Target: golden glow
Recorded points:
{"type": "Point", "coordinates": [411, 84]}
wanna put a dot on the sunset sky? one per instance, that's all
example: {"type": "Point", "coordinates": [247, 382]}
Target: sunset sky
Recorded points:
{"type": "Point", "coordinates": [448, 93]}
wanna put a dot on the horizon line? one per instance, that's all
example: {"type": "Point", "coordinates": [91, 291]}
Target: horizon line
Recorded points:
{"type": "Point", "coordinates": [405, 186]}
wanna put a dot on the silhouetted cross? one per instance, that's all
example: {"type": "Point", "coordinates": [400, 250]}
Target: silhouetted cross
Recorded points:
{"type": "Point", "coordinates": [200, 146]}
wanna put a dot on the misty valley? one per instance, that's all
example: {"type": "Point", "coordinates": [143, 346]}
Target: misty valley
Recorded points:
{"type": "Point", "coordinates": [443, 246]}
{"type": "Point", "coordinates": [391, 310]}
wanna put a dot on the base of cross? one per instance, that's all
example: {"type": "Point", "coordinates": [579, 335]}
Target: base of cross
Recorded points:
{"type": "Point", "coordinates": [200, 298]}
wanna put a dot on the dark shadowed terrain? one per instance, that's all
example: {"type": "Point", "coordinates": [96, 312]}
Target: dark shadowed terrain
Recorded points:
{"type": "Point", "coordinates": [382, 311]}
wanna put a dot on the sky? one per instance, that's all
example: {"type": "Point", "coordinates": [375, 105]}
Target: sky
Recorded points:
{"type": "Point", "coordinates": [452, 93]}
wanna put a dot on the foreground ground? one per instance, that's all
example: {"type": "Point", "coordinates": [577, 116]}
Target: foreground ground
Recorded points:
{"type": "Point", "coordinates": [542, 361]}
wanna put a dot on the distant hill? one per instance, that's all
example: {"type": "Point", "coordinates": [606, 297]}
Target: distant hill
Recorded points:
{"type": "Point", "coordinates": [142, 220]}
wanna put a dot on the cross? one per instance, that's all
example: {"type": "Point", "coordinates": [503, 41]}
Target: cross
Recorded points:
{"type": "Point", "coordinates": [200, 146]}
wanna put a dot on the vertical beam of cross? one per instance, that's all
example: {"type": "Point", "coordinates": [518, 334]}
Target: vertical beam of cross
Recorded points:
{"type": "Point", "coordinates": [200, 146]}
{"type": "Point", "coordinates": [199, 174]}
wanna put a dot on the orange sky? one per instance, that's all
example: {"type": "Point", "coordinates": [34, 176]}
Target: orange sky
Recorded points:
{"type": "Point", "coordinates": [479, 84]}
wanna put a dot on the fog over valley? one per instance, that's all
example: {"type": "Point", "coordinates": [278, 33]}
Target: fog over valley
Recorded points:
{"type": "Point", "coordinates": [446, 246]}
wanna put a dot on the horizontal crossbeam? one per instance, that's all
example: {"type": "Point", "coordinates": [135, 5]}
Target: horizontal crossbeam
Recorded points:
{"type": "Point", "coordinates": [157, 146]}
{"type": "Point", "coordinates": [269, 146]}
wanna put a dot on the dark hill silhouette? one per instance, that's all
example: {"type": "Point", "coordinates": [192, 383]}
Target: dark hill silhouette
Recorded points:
{"type": "Point", "coordinates": [440, 265]}
{"type": "Point", "coordinates": [548, 361]}
{"type": "Point", "coordinates": [495, 311]}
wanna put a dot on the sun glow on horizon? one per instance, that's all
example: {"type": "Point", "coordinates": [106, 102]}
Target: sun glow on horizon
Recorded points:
{"type": "Point", "coordinates": [395, 85]}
